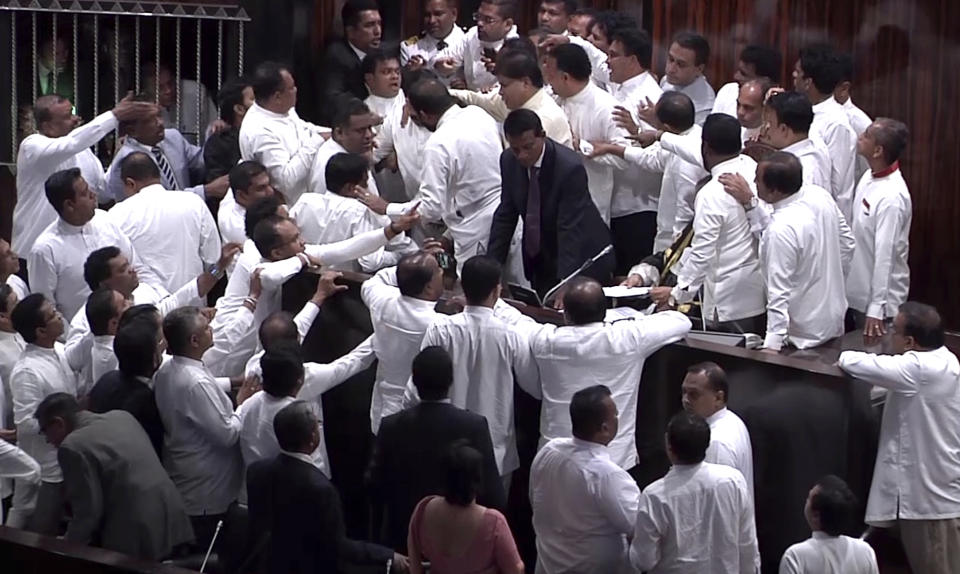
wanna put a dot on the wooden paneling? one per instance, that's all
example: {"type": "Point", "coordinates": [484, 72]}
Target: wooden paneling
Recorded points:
{"type": "Point", "coordinates": [906, 53]}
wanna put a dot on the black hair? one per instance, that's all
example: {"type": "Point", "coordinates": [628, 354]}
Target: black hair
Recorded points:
{"type": "Point", "coordinates": [430, 95]}
{"type": "Point", "coordinates": [821, 65]}
{"type": "Point", "coordinates": [350, 13]}
{"type": "Point", "coordinates": [782, 172]}
{"type": "Point", "coordinates": [609, 21]}
{"type": "Point", "coordinates": [59, 187]}
{"type": "Point", "coordinates": [231, 95]}
{"type": "Point", "coordinates": [294, 425]}
{"type": "Point", "coordinates": [835, 504]}
{"type": "Point", "coordinates": [766, 61]}
{"type": "Point", "coordinates": [518, 64]}
{"type": "Point", "coordinates": [480, 276]}
{"type": "Point", "coordinates": [793, 109]}
{"type": "Point", "coordinates": [267, 80]}
{"type": "Point", "coordinates": [676, 110]}
{"type": "Point", "coordinates": [278, 329]}
{"type": "Point", "coordinates": [261, 209]}
{"type": "Point", "coordinates": [521, 121]}
{"type": "Point", "coordinates": [282, 369]}
{"type": "Point", "coordinates": [375, 57]}
{"type": "Point", "coordinates": [96, 269]}
{"type": "Point", "coordinates": [346, 108]}
{"type": "Point", "coordinates": [573, 61]}
{"type": "Point", "coordinates": [588, 410]}
{"type": "Point", "coordinates": [715, 375]}
{"type": "Point", "coordinates": [689, 436]}
{"type": "Point", "coordinates": [695, 42]}
{"type": "Point", "coordinates": [636, 42]}
{"type": "Point", "coordinates": [569, 6]}
{"type": "Point", "coordinates": [41, 108]}
{"type": "Point", "coordinates": [144, 311]}
{"type": "Point", "coordinates": [5, 291]}
{"type": "Point", "coordinates": [242, 174]}
{"type": "Point", "coordinates": [57, 405]}
{"type": "Point", "coordinates": [506, 9]}
{"type": "Point", "coordinates": [518, 44]}
{"type": "Point", "coordinates": [432, 373]}
{"type": "Point", "coordinates": [139, 166]}
{"type": "Point", "coordinates": [923, 323]}
{"type": "Point", "coordinates": [413, 274]}
{"type": "Point", "coordinates": [265, 235]}
{"type": "Point", "coordinates": [463, 467]}
{"type": "Point", "coordinates": [136, 344]}
{"type": "Point", "coordinates": [100, 310]}
{"type": "Point", "coordinates": [845, 61]}
{"type": "Point", "coordinates": [584, 301]}
{"type": "Point", "coordinates": [892, 135]}
{"type": "Point", "coordinates": [27, 316]}
{"type": "Point", "coordinates": [721, 133]}
{"type": "Point", "coordinates": [179, 326]}
{"type": "Point", "coordinates": [346, 169]}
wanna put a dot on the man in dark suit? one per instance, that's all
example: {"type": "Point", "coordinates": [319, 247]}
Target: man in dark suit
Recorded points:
{"type": "Point", "coordinates": [545, 184]}
{"type": "Point", "coordinates": [293, 503]}
{"type": "Point", "coordinates": [342, 75]}
{"type": "Point", "coordinates": [122, 499]}
{"type": "Point", "coordinates": [407, 462]}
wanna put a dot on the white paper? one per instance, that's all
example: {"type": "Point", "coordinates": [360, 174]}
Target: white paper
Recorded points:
{"type": "Point", "coordinates": [620, 291]}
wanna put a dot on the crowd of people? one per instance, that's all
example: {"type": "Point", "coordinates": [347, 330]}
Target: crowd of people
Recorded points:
{"type": "Point", "coordinates": [138, 419]}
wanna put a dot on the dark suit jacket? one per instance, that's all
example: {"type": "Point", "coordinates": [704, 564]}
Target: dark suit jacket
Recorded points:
{"type": "Point", "coordinates": [407, 462]}
{"type": "Point", "coordinates": [117, 391]}
{"type": "Point", "coordinates": [341, 77]}
{"type": "Point", "coordinates": [571, 229]}
{"type": "Point", "coordinates": [221, 153]}
{"type": "Point", "coordinates": [299, 508]}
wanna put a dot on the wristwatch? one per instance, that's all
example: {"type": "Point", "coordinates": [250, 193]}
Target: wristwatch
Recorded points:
{"type": "Point", "coordinates": [753, 203]}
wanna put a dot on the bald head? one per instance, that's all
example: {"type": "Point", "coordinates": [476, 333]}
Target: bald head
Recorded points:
{"type": "Point", "coordinates": [419, 275]}
{"type": "Point", "coordinates": [278, 328]}
{"type": "Point", "coordinates": [584, 301]}
{"type": "Point", "coordinates": [750, 102]}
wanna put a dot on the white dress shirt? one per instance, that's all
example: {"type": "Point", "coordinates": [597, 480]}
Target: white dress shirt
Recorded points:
{"type": "Point", "coordinates": [55, 263]}
{"type": "Point", "coordinates": [230, 220]}
{"type": "Point", "coordinates": [730, 444]}
{"type": "Point", "coordinates": [469, 53]}
{"type": "Point", "coordinates": [574, 357]}
{"type": "Point", "coordinates": [815, 159]}
{"type": "Point", "coordinates": [407, 141]}
{"type": "Point", "coordinates": [634, 189]}
{"type": "Point", "coordinates": [200, 436]}
{"type": "Point", "coordinates": [11, 347]}
{"type": "Point", "coordinates": [825, 554]}
{"type": "Point", "coordinates": [698, 519]}
{"type": "Point", "coordinates": [174, 235]}
{"type": "Point", "coordinates": [184, 159]}
{"type": "Point", "coordinates": [40, 157]}
{"type": "Point", "coordinates": [487, 351]}
{"type": "Point", "coordinates": [679, 186]}
{"type": "Point", "coordinates": [399, 323]}
{"type": "Point", "coordinates": [726, 100]}
{"type": "Point", "coordinates": [427, 47]}
{"type": "Point", "coordinates": [330, 217]}
{"type": "Point", "coordinates": [859, 121]}
{"type": "Point", "coordinates": [460, 180]}
{"type": "Point", "coordinates": [284, 144]}
{"type": "Point", "coordinates": [830, 125]}
{"type": "Point", "coordinates": [723, 254]}
{"type": "Point", "coordinates": [702, 94]}
{"type": "Point", "coordinates": [591, 118]}
{"type": "Point", "coordinates": [102, 358]}
{"type": "Point", "coordinates": [19, 287]}
{"type": "Point", "coordinates": [318, 171]}
{"type": "Point", "coordinates": [39, 373]}
{"type": "Point", "coordinates": [16, 464]}
{"type": "Point", "coordinates": [257, 438]}
{"type": "Point", "coordinates": [879, 277]}
{"type": "Point", "coordinates": [584, 508]}
{"type": "Point", "coordinates": [918, 458]}
{"type": "Point", "coordinates": [389, 183]}
{"type": "Point", "coordinates": [551, 116]}
{"type": "Point", "coordinates": [804, 254]}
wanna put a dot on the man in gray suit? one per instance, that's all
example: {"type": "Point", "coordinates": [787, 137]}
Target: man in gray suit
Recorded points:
{"type": "Point", "coordinates": [121, 496]}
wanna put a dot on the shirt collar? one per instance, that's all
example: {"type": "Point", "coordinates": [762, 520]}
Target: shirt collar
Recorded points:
{"type": "Point", "coordinates": [360, 53]}
{"type": "Point", "coordinates": [728, 166]}
{"type": "Point", "coordinates": [595, 448]}
{"type": "Point", "coordinates": [798, 147]}
{"type": "Point", "coordinates": [144, 380]}
{"type": "Point", "coordinates": [821, 535]}
{"type": "Point", "coordinates": [299, 456]}
{"type": "Point", "coordinates": [543, 152]}
{"type": "Point", "coordinates": [424, 304]}
{"type": "Point", "coordinates": [104, 339]}
{"type": "Point", "coordinates": [156, 187]}
{"type": "Point", "coordinates": [445, 401]}
{"type": "Point", "coordinates": [187, 361]}
{"type": "Point", "coordinates": [635, 81]}
{"type": "Point", "coordinates": [825, 105]}
{"type": "Point", "coordinates": [717, 415]}
{"type": "Point", "coordinates": [257, 108]}
{"type": "Point", "coordinates": [32, 348]}
{"type": "Point", "coordinates": [69, 229]}
{"type": "Point", "coordinates": [582, 95]}
{"type": "Point", "coordinates": [478, 310]}
{"type": "Point", "coordinates": [885, 172]}
{"type": "Point", "coordinates": [534, 102]}
{"type": "Point", "coordinates": [451, 112]}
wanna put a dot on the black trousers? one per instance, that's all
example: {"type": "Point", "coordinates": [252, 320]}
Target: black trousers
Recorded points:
{"type": "Point", "coordinates": [756, 325]}
{"type": "Point", "coordinates": [633, 237]}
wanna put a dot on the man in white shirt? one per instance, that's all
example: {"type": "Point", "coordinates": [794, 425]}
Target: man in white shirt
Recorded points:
{"type": "Point", "coordinates": [462, 194]}
{"type": "Point", "coordinates": [201, 432]}
{"type": "Point", "coordinates": [723, 256]}
{"type": "Point", "coordinates": [60, 143]}
{"type": "Point", "coordinates": [787, 118]}
{"type": "Point", "coordinates": [353, 126]}
{"type": "Point", "coordinates": [686, 61]}
{"type": "Point", "coordinates": [698, 519]}
{"type": "Point", "coordinates": [175, 236]}
{"type": "Point", "coordinates": [273, 134]}
{"type": "Point", "coordinates": [589, 350]}
{"type": "Point", "coordinates": [103, 309]}
{"type": "Point", "coordinates": [487, 352]}
{"type": "Point", "coordinates": [401, 300]}
{"type": "Point", "coordinates": [179, 161]}
{"type": "Point", "coordinates": [591, 113]}
{"type": "Point", "coordinates": [41, 370]}
{"type": "Point", "coordinates": [830, 511]}
{"type": "Point", "coordinates": [11, 347]}
{"type": "Point", "coordinates": [56, 260]}
{"type": "Point", "coordinates": [477, 52]}
{"type": "Point", "coordinates": [9, 267]}
{"type": "Point", "coordinates": [440, 32]}
{"type": "Point", "coordinates": [859, 120]}
{"type": "Point", "coordinates": [521, 86]}
{"type": "Point", "coordinates": [755, 61]}
{"type": "Point", "coordinates": [584, 504]}
{"type": "Point", "coordinates": [879, 277]}
{"type": "Point", "coordinates": [816, 74]}
{"type": "Point", "coordinates": [194, 99]}
{"type": "Point", "coordinates": [15, 464]}
{"type": "Point", "coordinates": [337, 215]}
{"type": "Point", "coordinates": [918, 431]}
{"type": "Point", "coordinates": [554, 15]}
{"type": "Point", "coordinates": [705, 393]}
{"type": "Point", "coordinates": [249, 181]}
{"type": "Point", "coordinates": [805, 253]}
{"type": "Point", "coordinates": [750, 108]}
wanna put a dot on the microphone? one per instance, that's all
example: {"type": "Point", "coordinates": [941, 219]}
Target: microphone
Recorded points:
{"type": "Point", "coordinates": [603, 252]}
{"type": "Point", "coordinates": [212, 542]}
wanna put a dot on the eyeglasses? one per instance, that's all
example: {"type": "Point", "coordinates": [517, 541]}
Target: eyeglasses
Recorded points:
{"type": "Point", "coordinates": [480, 18]}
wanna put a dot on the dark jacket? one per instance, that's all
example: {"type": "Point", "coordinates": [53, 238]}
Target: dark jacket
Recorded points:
{"type": "Point", "coordinates": [571, 229]}
{"type": "Point", "coordinates": [221, 153]}
{"type": "Point", "coordinates": [341, 77]}
{"type": "Point", "coordinates": [299, 508]}
{"type": "Point", "coordinates": [117, 391]}
{"type": "Point", "coordinates": [407, 462]}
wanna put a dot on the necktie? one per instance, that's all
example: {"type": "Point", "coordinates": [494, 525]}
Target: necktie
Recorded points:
{"type": "Point", "coordinates": [441, 45]}
{"type": "Point", "coordinates": [531, 224]}
{"type": "Point", "coordinates": [168, 179]}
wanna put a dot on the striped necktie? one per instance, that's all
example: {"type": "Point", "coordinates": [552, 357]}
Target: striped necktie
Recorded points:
{"type": "Point", "coordinates": [168, 179]}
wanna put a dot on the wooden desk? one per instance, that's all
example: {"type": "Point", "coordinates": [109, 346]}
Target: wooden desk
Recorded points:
{"type": "Point", "coordinates": [805, 417]}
